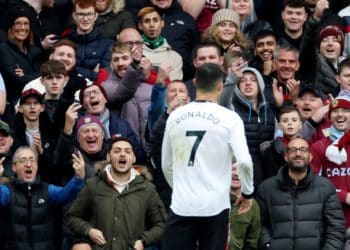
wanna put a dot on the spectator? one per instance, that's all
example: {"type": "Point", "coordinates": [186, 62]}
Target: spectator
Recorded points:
{"type": "Point", "coordinates": [94, 99]}
{"type": "Point", "coordinates": [244, 228]}
{"type": "Point", "coordinates": [320, 51]}
{"type": "Point", "coordinates": [127, 93]}
{"type": "Point", "coordinates": [27, 221]}
{"type": "Point", "coordinates": [19, 58]}
{"type": "Point", "coordinates": [345, 14]}
{"type": "Point", "coordinates": [112, 18]}
{"type": "Point", "coordinates": [224, 30]}
{"type": "Point", "coordinates": [6, 151]}
{"type": "Point", "coordinates": [299, 210]}
{"type": "Point", "coordinates": [205, 52]}
{"type": "Point", "coordinates": [92, 48]}
{"type": "Point", "coordinates": [156, 47]}
{"type": "Point", "coordinates": [330, 158]}
{"type": "Point", "coordinates": [272, 155]}
{"type": "Point", "coordinates": [180, 31]}
{"type": "Point", "coordinates": [294, 15]}
{"type": "Point", "coordinates": [33, 127]}
{"type": "Point", "coordinates": [106, 223]}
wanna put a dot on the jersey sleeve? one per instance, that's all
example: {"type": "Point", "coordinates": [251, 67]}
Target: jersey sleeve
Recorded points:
{"type": "Point", "coordinates": [167, 156]}
{"type": "Point", "coordinates": [4, 196]}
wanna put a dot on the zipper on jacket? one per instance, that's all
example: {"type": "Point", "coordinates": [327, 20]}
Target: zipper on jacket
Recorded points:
{"type": "Point", "coordinates": [29, 226]}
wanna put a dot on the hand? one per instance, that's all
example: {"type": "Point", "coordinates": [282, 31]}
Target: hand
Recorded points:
{"type": "Point", "coordinates": [277, 94]}
{"type": "Point", "coordinates": [163, 72]}
{"type": "Point", "coordinates": [268, 67]}
{"type": "Point", "coordinates": [2, 165]}
{"type": "Point", "coordinates": [71, 117]}
{"type": "Point", "coordinates": [245, 204]}
{"type": "Point", "coordinates": [146, 66]}
{"type": "Point", "coordinates": [48, 41]}
{"type": "Point", "coordinates": [347, 199]}
{"type": "Point", "coordinates": [234, 47]}
{"type": "Point", "coordinates": [319, 114]}
{"type": "Point", "coordinates": [79, 165]}
{"type": "Point", "coordinates": [96, 236]}
{"type": "Point", "coordinates": [97, 68]}
{"type": "Point", "coordinates": [320, 7]}
{"type": "Point", "coordinates": [138, 245]}
{"type": "Point", "coordinates": [293, 89]}
{"type": "Point", "coordinates": [236, 67]}
{"type": "Point", "coordinates": [19, 71]}
{"type": "Point", "coordinates": [37, 143]}
{"type": "Point", "coordinates": [136, 53]}
{"type": "Point", "coordinates": [178, 101]}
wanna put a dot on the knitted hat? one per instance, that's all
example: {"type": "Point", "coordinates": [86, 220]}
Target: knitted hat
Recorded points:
{"type": "Point", "coordinates": [225, 15]}
{"type": "Point", "coordinates": [339, 102]}
{"type": "Point", "coordinates": [31, 93]}
{"type": "Point", "coordinates": [12, 14]}
{"type": "Point", "coordinates": [332, 30]}
{"type": "Point", "coordinates": [5, 129]}
{"type": "Point", "coordinates": [88, 120]}
{"type": "Point", "coordinates": [82, 91]}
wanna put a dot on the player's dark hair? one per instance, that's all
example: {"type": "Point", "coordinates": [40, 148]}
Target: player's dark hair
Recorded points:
{"type": "Point", "coordinates": [208, 76]}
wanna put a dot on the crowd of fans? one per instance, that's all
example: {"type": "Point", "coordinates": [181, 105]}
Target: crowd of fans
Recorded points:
{"type": "Point", "coordinates": [87, 86]}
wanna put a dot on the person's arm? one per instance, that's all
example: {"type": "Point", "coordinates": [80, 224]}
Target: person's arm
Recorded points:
{"type": "Point", "coordinates": [176, 72]}
{"type": "Point", "coordinates": [158, 104]}
{"type": "Point", "coordinates": [155, 219]}
{"type": "Point", "coordinates": [194, 8]}
{"type": "Point", "coordinates": [227, 92]}
{"type": "Point", "coordinates": [64, 195]}
{"type": "Point", "coordinates": [317, 157]}
{"type": "Point", "coordinates": [265, 236]}
{"type": "Point", "coordinates": [167, 157]}
{"type": "Point", "coordinates": [4, 196]}
{"type": "Point", "coordinates": [238, 144]}
{"type": "Point", "coordinates": [254, 229]}
{"type": "Point", "coordinates": [333, 219]}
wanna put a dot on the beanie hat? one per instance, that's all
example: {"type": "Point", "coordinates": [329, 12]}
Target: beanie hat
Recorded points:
{"type": "Point", "coordinates": [339, 102]}
{"type": "Point", "coordinates": [82, 91]}
{"type": "Point", "coordinates": [12, 14]}
{"type": "Point", "coordinates": [332, 30]}
{"type": "Point", "coordinates": [88, 120]}
{"type": "Point", "coordinates": [225, 15]}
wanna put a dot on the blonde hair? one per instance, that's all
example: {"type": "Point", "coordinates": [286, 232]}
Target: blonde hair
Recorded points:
{"type": "Point", "coordinates": [239, 38]}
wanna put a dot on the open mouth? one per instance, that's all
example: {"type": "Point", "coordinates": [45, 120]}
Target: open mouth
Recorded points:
{"type": "Point", "coordinates": [91, 143]}
{"type": "Point", "coordinates": [94, 104]}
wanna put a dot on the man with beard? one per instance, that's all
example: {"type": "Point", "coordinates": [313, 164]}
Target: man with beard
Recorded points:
{"type": "Point", "coordinates": [299, 210]}
{"type": "Point", "coordinates": [130, 214]}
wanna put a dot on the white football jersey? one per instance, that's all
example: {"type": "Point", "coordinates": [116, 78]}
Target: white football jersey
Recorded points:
{"type": "Point", "coordinates": [199, 142]}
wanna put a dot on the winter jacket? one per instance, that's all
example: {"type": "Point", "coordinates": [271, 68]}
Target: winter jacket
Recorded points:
{"type": "Point", "coordinates": [49, 136]}
{"type": "Point", "coordinates": [111, 23]}
{"type": "Point", "coordinates": [313, 66]}
{"type": "Point", "coordinates": [259, 125]}
{"type": "Point", "coordinates": [244, 228]}
{"type": "Point", "coordinates": [165, 54]}
{"type": "Point", "coordinates": [132, 97]}
{"type": "Point", "coordinates": [338, 173]}
{"type": "Point", "coordinates": [92, 49]}
{"type": "Point", "coordinates": [135, 213]}
{"type": "Point", "coordinates": [306, 216]}
{"type": "Point", "coordinates": [27, 217]}
{"type": "Point", "coordinates": [273, 158]}
{"type": "Point", "coordinates": [12, 58]}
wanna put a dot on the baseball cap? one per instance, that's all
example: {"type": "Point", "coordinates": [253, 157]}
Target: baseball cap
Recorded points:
{"type": "Point", "coordinates": [30, 93]}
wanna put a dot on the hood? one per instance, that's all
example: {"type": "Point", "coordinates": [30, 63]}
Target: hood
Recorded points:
{"type": "Point", "coordinates": [239, 96]}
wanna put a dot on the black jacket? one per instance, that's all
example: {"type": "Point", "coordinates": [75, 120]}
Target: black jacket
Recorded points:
{"type": "Point", "coordinates": [303, 217]}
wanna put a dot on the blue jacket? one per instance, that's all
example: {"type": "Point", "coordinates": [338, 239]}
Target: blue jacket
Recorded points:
{"type": "Point", "coordinates": [92, 49]}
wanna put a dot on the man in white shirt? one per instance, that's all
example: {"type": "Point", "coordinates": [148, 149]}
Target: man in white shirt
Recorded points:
{"type": "Point", "coordinates": [199, 142]}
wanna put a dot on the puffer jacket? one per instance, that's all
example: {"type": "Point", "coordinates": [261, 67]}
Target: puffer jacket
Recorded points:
{"type": "Point", "coordinates": [307, 216]}
{"type": "Point", "coordinates": [92, 49]}
{"type": "Point", "coordinates": [259, 125]}
{"type": "Point", "coordinates": [135, 213]}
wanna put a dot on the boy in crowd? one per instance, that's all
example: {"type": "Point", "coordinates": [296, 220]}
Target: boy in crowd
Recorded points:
{"type": "Point", "coordinates": [273, 155]}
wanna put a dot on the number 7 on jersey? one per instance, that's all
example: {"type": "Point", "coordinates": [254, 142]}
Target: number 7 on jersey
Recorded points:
{"type": "Point", "coordinates": [199, 134]}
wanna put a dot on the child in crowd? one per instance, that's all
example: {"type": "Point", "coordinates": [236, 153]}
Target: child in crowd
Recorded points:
{"type": "Point", "coordinates": [273, 155]}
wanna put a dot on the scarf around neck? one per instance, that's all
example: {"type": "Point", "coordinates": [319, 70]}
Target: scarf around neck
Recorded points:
{"type": "Point", "coordinates": [153, 44]}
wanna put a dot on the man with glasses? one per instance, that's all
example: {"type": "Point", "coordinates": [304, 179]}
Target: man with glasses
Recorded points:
{"type": "Point", "coordinates": [299, 210]}
{"type": "Point", "coordinates": [330, 159]}
{"type": "Point", "coordinates": [27, 205]}
{"type": "Point", "coordinates": [92, 48]}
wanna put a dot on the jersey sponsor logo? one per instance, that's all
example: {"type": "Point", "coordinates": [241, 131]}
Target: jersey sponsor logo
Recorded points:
{"type": "Point", "coordinates": [342, 171]}
{"type": "Point", "coordinates": [203, 115]}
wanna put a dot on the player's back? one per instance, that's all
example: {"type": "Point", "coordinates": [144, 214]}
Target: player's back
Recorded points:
{"type": "Point", "coordinates": [199, 135]}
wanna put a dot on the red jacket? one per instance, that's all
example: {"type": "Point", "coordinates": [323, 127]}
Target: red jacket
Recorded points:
{"type": "Point", "coordinates": [339, 174]}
